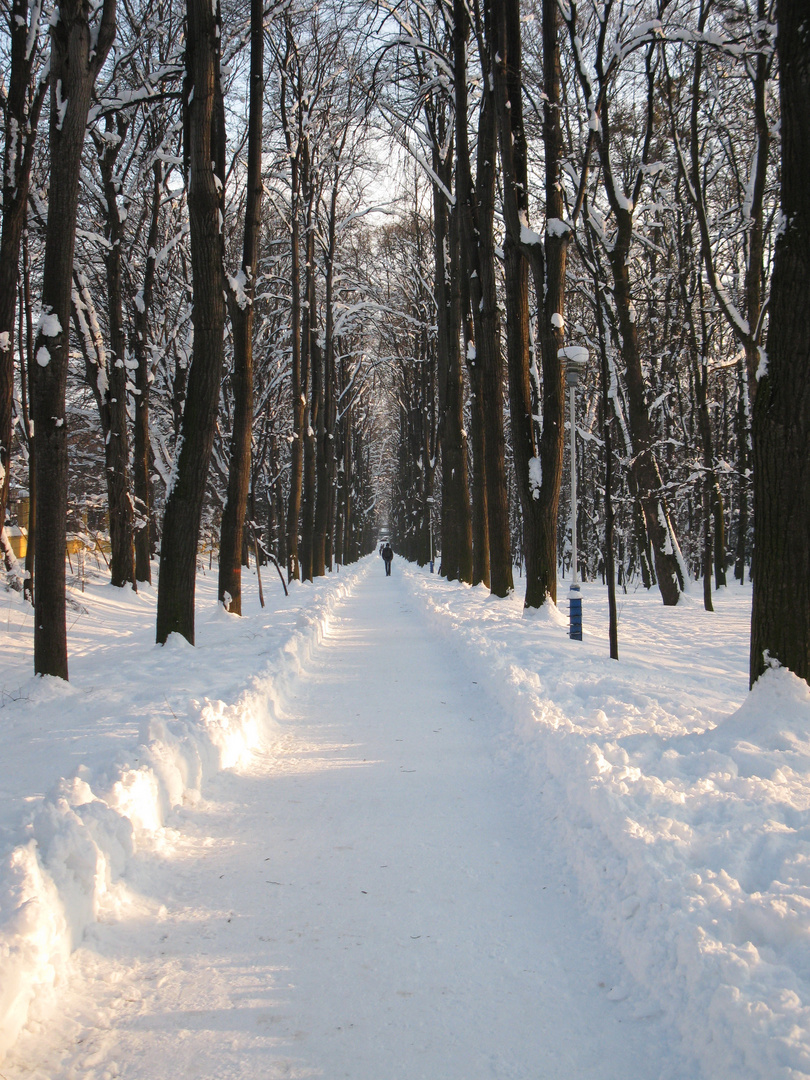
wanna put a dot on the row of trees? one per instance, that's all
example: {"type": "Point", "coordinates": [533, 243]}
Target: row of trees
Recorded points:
{"type": "Point", "coordinates": [258, 337]}
{"type": "Point", "coordinates": [645, 140]}
{"type": "Point", "coordinates": [214, 310]}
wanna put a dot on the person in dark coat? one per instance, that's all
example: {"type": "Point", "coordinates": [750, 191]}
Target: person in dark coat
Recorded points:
{"type": "Point", "coordinates": [388, 556]}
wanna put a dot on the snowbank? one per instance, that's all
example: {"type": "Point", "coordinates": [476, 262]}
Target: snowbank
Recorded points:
{"type": "Point", "coordinates": [683, 814]}
{"type": "Point", "coordinates": [62, 870]}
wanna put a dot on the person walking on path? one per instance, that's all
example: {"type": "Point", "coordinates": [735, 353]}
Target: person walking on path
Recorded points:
{"type": "Point", "coordinates": [388, 556]}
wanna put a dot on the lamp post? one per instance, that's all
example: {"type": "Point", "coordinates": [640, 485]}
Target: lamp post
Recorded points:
{"type": "Point", "coordinates": [575, 358]}
{"type": "Point", "coordinates": [430, 501]}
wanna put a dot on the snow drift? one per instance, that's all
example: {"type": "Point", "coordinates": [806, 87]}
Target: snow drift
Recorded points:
{"type": "Point", "coordinates": [685, 821]}
{"type": "Point", "coordinates": [64, 870]}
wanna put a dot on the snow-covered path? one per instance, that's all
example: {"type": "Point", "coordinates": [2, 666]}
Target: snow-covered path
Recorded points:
{"type": "Point", "coordinates": [374, 898]}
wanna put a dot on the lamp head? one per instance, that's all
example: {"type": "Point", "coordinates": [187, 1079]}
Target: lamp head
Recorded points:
{"type": "Point", "coordinates": [575, 358]}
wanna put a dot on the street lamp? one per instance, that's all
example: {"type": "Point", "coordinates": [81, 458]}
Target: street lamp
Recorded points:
{"type": "Point", "coordinates": [575, 358]}
{"type": "Point", "coordinates": [430, 502]}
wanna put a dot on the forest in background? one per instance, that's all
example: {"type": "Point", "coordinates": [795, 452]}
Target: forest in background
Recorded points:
{"type": "Point", "coordinates": [276, 276]}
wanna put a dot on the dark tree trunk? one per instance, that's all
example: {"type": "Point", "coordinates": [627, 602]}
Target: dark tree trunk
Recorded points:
{"type": "Point", "coordinates": [107, 382]}
{"type": "Point", "coordinates": [325, 443]}
{"type": "Point", "coordinates": [77, 54]}
{"type": "Point", "coordinates": [538, 461]}
{"type": "Point", "coordinates": [310, 378]}
{"type": "Point", "coordinates": [142, 450]}
{"type": "Point", "coordinates": [512, 142]}
{"type": "Point", "coordinates": [347, 477]}
{"type": "Point", "coordinates": [607, 435]}
{"type": "Point", "coordinates": [706, 500]}
{"type": "Point", "coordinates": [28, 368]}
{"type": "Point", "coordinates": [295, 145]}
{"type": "Point", "coordinates": [184, 500]}
{"type": "Point", "coordinates": [476, 208]}
{"type": "Point", "coordinates": [645, 477]}
{"type": "Point", "coordinates": [281, 522]}
{"type": "Point", "coordinates": [112, 399]}
{"type": "Point", "coordinates": [480, 523]}
{"type": "Point", "coordinates": [711, 495]}
{"type": "Point", "coordinates": [298, 400]}
{"type": "Point", "coordinates": [22, 119]}
{"type": "Point", "coordinates": [780, 621]}
{"type": "Point", "coordinates": [310, 484]}
{"type": "Point", "coordinates": [232, 531]}
{"type": "Point", "coordinates": [742, 429]}
{"type": "Point", "coordinates": [456, 522]}
{"type": "Point", "coordinates": [549, 283]}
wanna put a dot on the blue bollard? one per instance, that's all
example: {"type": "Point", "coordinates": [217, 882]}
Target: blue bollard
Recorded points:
{"type": "Point", "coordinates": [575, 614]}
{"type": "Point", "coordinates": [431, 566]}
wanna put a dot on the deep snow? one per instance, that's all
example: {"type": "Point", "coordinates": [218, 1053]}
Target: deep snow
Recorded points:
{"type": "Point", "coordinates": [447, 842]}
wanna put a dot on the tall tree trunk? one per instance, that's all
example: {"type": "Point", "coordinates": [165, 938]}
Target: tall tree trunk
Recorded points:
{"type": "Point", "coordinates": [476, 208]}
{"type": "Point", "coordinates": [77, 54]}
{"type": "Point", "coordinates": [780, 621]}
{"type": "Point", "coordinates": [113, 397]}
{"type": "Point", "coordinates": [646, 482]}
{"type": "Point", "coordinates": [480, 523]}
{"type": "Point", "coordinates": [742, 428]}
{"type": "Point", "coordinates": [240, 297]}
{"type": "Point", "coordinates": [310, 372]}
{"type": "Point", "coordinates": [107, 381]}
{"type": "Point", "coordinates": [607, 424]}
{"type": "Point", "coordinates": [512, 142]}
{"type": "Point", "coordinates": [141, 455]}
{"type": "Point", "coordinates": [456, 522]}
{"type": "Point", "coordinates": [29, 367]}
{"type": "Point", "coordinates": [311, 362]}
{"type": "Point", "coordinates": [295, 146]}
{"type": "Point", "coordinates": [325, 435]}
{"type": "Point", "coordinates": [549, 284]}
{"type": "Point", "coordinates": [184, 499]}
{"type": "Point", "coordinates": [711, 496]}
{"type": "Point", "coordinates": [298, 399]}
{"type": "Point", "coordinates": [347, 479]}
{"type": "Point", "coordinates": [538, 460]}
{"type": "Point", "coordinates": [22, 119]}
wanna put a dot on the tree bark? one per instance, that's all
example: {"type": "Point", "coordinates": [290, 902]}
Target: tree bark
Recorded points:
{"type": "Point", "coordinates": [22, 118]}
{"type": "Point", "coordinates": [142, 462]}
{"type": "Point", "coordinates": [646, 482]}
{"type": "Point", "coordinates": [780, 621]}
{"type": "Point", "coordinates": [184, 500]}
{"type": "Point", "coordinates": [476, 208]}
{"type": "Point", "coordinates": [112, 398]}
{"type": "Point", "coordinates": [310, 373]}
{"type": "Point", "coordinates": [295, 145]}
{"type": "Point", "coordinates": [77, 54]}
{"type": "Point", "coordinates": [512, 142]}
{"type": "Point", "coordinates": [28, 368]}
{"type": "Point", "coordinates": [240, 299]}
{"type": "Point", "coordinates": [549, 283]}
{"type": "Point", "coordinates": [456, 522]}
{"type": "Point", "coordinates": [742, 429]}
{"type": "Point", "coordinates": [107, 382]}
{"type": "Point", "coordinates": [325, 430]}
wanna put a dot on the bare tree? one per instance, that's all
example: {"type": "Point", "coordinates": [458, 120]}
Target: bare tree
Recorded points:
{"type": "Point", "coordinates": [241, 302]}
{"type": "Point", "coordinates": [780, 621]}
{"type": "Point", "coordinates": [476, 212]}
{"type": "Point", "coordinates": [205, 153]}
{"type": "Point", "coordinates": [23, 104]}
{"type": "Point", "coordinates": [81, 37]}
